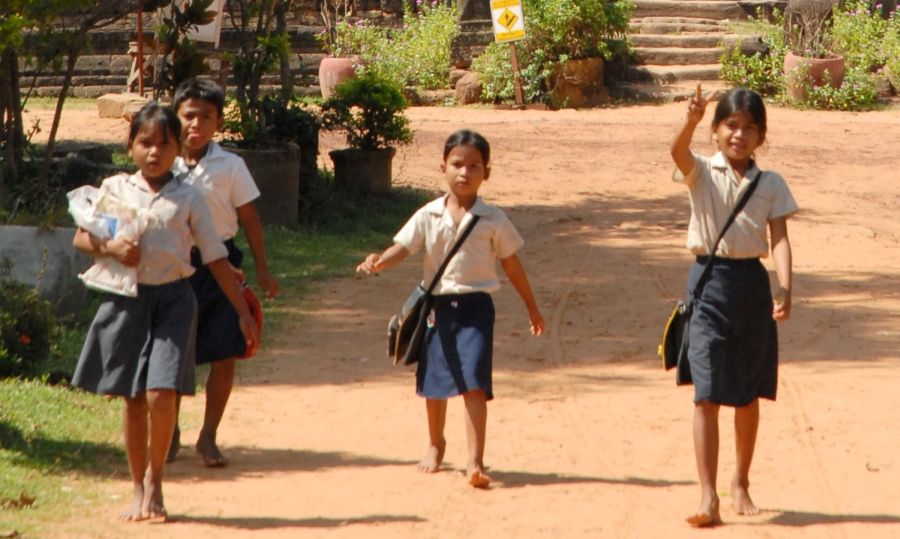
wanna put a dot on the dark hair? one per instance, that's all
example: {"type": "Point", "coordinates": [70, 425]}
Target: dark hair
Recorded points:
{"type": "Point", "coordinates": [155, 114]}
{"type": "Point", "coordinates": [202, 89]}
{"type": "Point", "coordinates": [467, 137]}
{"type": "Point", "coordinates": [741, 100]}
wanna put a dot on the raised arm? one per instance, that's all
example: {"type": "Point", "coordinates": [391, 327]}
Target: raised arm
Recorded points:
{"type": "Point", "coordinates": [681, 147]}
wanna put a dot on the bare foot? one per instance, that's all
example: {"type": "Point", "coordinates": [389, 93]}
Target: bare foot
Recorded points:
{"type": "Point", "coordinates": [175, 445]}
{"type": "Point", "coordinates": [433, 458]}
{"type": "Point", "coordinates": [740, 500]}
{"type": "Point", "coordinates": [707, 514]}
{"type": "Point", "coordinates": [153, 507]}
{"type": "Point", "coordinates": [212, 457]}
{"type": "Point", "coordinates": [133, 513]}
{"type": "Point", "coordinates": [477, 477]}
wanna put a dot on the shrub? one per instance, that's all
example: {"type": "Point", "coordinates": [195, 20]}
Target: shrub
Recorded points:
{"type": "Point", "coordinates": [26, 322]}
{"type": "Point", "coordinates": [763, 71]}
{"type": "Point", "coordinates": [369, 108]}
{"type": "Point", "coordinates": [858, 35]}
{"type": "Point", "coordinates": [417, 54]}
{"type": "Point", "coordinates": [857, 92]}
{"type": "Point", "coordinates": [556, 31]}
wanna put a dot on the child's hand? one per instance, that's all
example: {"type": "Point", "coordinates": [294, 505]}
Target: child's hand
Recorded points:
{"type": "Point", "coordinates": [126, 251]}
{"type": "Point", "coordinates": [537, 322]}
{"type": "Point", "coordinates": [781, 309]}
{"type": "Point", "coordinates": [372, 264]}
{"type": "Point", "coordinates": [268, 283]}
{"type": "Point", "coordinates": [697, 104]}
{"type": "Point", "coordinates": [251, 333]}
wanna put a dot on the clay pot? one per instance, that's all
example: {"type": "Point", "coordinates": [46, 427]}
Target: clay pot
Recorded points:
{"type": "Point", "coordinates": [333, 71]}
{"type": "Point", "coordinates": [817, 68]}
{"type": "Point", "coordinates": [578, 83]}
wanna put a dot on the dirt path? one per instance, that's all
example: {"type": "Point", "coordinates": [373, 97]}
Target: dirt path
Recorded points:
{"type": "Point", "coordinates": [587, 436]}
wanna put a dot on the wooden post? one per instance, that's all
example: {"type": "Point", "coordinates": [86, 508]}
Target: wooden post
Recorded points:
{"type": "Point", "coordinates": [520, 99]}
{"type": "Point", "coordinates": [140, 47]}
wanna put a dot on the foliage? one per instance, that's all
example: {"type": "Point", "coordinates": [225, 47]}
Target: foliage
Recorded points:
{"type": "Point", "coordinates": [857, 92]}
{"type": "Point", "coordinates": [333, 14]}
{"type": "Point", "coordinates": [557, 31]}
{"type": "Point", "coordinates": [808, 28]}
{"type": "Point", "coordinates": [892, 51]}
{"type": "Point", "coordinates": [26, 323]}
{"type": "Point", "coordinates": [866, 42]}
{"type": "Point", "coordinates": [863, 37]}
{"type": "Point", "coordinates": [417, 54]}
{"type": "Point", "coordinates": [262, 43]}
{"type": "Point", "coordinates": [181, 60]}
{"type": "Point", "coordinates": [369, 108]}
{"type": "Point", "coordinates": [762, 71]}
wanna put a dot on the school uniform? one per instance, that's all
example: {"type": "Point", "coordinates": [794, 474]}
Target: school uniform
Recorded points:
{"type": "Point", "coordinates": [459, 340]}
{"type": "Point", "coordinates": [226, 184]}
{"type": "Point", "coordinates": [733, 351]}
{"type": "Point", "coordinates": [147, 342]}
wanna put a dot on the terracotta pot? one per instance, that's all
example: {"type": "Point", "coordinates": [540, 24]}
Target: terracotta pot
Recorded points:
{"type": "Point", "coordinates": [366, 170]}
{"type": "Point", "coordinates": [333, 71]}
{"type": "Point", "coordinates": [578, 83]}
{"type": "Point", "coordinates": [817, 68]}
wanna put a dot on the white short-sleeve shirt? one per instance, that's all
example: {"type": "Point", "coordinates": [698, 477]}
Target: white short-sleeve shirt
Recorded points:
{"type": "Point", "coordinates": [180, 220]}
{"type": "Point", "coordinates": [714, 192]}
{"type": "Point", "coordinates": [473, 268]}
{"type": "Point", "coordinates": [226, 184]}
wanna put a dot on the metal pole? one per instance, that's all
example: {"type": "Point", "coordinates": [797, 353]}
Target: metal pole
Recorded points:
{"type": "Point", "coordinates": [520, 99]}
{"type": "Point", "coordinates": [140, 47]}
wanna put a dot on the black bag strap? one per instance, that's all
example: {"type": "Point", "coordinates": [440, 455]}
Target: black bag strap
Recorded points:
{"type": "Point", "coordinates": [734, 213]}
{"type": "Point", "coordinates": [456, 246]}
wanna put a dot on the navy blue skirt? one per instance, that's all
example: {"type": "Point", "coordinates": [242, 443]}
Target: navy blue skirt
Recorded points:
{"type": "Point", "coordinates": [142, 343]}
{"type": "Point", "coordinates": [219, 333]}
{"type": "Point", "coordinates": [459, 345]}
{"type": "Point", "coordinates": [733, 351]}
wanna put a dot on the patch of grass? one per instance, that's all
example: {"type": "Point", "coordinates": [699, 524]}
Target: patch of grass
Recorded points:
{"type": "Point", "coordinates": [72, 103]}
{"type": "Point", "coordinates": [56, 446]}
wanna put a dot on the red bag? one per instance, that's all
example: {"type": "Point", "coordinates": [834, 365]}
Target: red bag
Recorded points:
{"type": "Point", "coordinates": [253, 303]}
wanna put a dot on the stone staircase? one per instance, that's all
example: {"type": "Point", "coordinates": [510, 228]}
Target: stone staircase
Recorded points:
{"type": "Point", "coordinates": [678, 44]}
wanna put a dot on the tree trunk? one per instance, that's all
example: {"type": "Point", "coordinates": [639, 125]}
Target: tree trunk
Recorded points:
{"type": "Point", "coordinates": [73, 54]}
{"type": "Point", "coordinates": [13, 137]}
{"type": "Point", "coordinates": [287, 78]}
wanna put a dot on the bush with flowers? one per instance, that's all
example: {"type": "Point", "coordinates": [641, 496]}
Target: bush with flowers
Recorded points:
{"type": "Point", "coordinates": [415, 54]}
{"type": "Point", "coordinates": [868, 42]}
{"type": "Point", "coordinates": [26, 323]}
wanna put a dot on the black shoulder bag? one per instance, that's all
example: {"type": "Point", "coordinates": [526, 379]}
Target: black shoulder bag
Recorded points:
{"type": "Point", "coordinates": [674, 347]}
{"type": "Point", "coordinates": [407, 329]}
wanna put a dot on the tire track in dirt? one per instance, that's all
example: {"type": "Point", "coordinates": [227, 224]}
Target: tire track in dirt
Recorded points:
{"type": "Point", "coordinates": [824, 490]}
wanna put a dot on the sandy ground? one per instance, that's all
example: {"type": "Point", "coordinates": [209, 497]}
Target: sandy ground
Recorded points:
{"type": "Point", "coordinates": [587, 437]}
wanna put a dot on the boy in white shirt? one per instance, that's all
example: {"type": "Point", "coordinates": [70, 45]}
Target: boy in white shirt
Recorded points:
{"type": "Point", "coordinates": [229, 191]}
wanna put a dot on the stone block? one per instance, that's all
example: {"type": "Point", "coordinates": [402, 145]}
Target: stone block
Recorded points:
{"type": "Point", "coordinates": [468, 89]}
{"type": "Point", "coordinates": [117, 105]}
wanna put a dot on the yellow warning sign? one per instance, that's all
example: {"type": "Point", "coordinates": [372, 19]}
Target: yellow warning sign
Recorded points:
{"type": "Point", "coordinates": [509, 20]}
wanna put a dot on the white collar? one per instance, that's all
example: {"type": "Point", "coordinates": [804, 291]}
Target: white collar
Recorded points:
{"type": "Point", "coordinates": [719, 161]}
{"type": "Point", "coordinates": [439, 205]}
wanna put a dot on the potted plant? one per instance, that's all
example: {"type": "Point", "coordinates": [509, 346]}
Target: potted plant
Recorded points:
{"type": "Point", "coordinates": [369, 109]}
{"type": "Point", "coordinates": [810, 58]}
{"type": "Point", "coordinates": [336, 66]}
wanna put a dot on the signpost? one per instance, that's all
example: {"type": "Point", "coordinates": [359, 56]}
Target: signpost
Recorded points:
{"type": "Point", "coordinates": [509, 26]}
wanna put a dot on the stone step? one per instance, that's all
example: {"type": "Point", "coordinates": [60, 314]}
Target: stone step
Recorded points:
{"type": "Point", "coordinates": [677, 25]}
{"type": "Point", "coordinates": [671, 74]}
{"type": "Point", "coordinates": [677, 55]}
{"type": "Point", "coordinates": [692, 40]}
{"type": "Point", "coordinates": [708, 9]}
{"type": "Point", "coordinates": [655, 93]}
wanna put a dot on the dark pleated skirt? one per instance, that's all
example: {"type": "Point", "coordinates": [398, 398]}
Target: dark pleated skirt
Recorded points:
{"type": "Point", "coordinates": [141, 343]}
{"type": "Point", "coordinates": [219, 333]}
{"type": "Point", "coordinates": [733, 350]}
{"type": "Point", "coordinates": [458, 347]}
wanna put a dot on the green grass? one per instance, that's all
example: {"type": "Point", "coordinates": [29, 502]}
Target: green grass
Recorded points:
{"type": "Point", "coordinates": [59, 446]}
{"type": "Point", "coordinates": [56, 446]}
{"type": "Point", "coordinates": [72, 103]}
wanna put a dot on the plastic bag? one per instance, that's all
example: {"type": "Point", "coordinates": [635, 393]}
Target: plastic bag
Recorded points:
{"type": "Point", "coordinates": [105, 216]}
